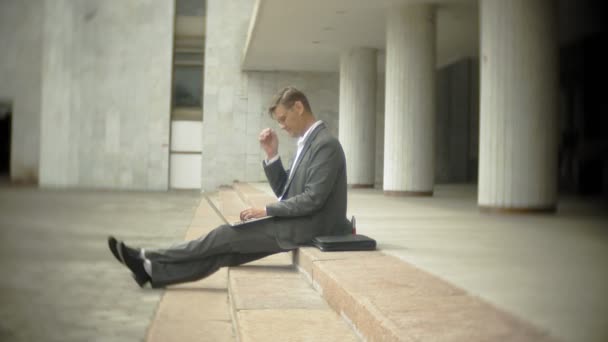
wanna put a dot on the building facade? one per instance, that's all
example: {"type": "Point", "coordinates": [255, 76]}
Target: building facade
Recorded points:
{"type": "Point", "coordinates": [149, 95]}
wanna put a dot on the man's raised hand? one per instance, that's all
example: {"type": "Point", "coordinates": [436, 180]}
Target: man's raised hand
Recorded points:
{"type": "Point", "coordinates": [269, 142]}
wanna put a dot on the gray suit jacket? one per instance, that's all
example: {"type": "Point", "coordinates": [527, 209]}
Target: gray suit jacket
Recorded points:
{"type": "Point", "coordinates": [314, 198]}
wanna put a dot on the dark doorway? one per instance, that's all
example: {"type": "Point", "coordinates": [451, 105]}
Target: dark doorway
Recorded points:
{"type": "Point", "coordinates": [583, 148]}
{"type": "Point", "coordinates": [584, 138]}
{"type": "Point", "coordinates": [5, 141]}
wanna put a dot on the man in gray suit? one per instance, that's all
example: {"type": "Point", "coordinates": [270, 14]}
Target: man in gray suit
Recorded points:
{"type": "Point", "coordinates": [312, 202]}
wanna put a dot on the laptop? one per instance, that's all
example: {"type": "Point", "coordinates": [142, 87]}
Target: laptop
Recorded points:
{"type": "Point", "coordinates": [238, 223]}
{"type": "Point", "coordinates": [242, 223]}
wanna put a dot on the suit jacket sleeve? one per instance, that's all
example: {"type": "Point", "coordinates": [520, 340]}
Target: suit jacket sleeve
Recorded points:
{"type": "Point", "coordinates": [321, 173]}
{"type": "Point", "coordinates": [277, 176]}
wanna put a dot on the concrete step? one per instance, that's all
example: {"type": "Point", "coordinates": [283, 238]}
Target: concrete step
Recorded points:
{"type": "Point", "coordinates": [252, 196]}
{"type": "Point", "coordinates": [387, 299]}
{"type": "Point", "coordinates": [270, 301]}
{"type": "Point", "coordinates": [214, 197]}
{"type": "Point", "coordinates": [197, 311]}
{"type": "Point", "coordinates": [231, 204]}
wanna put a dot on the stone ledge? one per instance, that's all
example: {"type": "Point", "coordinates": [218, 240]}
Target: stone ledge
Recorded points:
{"type": "Point", "coordinates": [195, 311]}
{"type": "Point", "coordinates": [386, 299]}
{"type": "Point", "coordinates": [252, 196]}
{"type": "Point", "coordinates": [293, 325]}
{"type": "Point", "coordinates": [271, 302]}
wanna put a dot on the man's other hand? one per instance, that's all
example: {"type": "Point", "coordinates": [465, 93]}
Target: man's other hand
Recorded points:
{"type": "Point", "coordinates": [252, 213]}
{"type": "Point", "coordinates": [269, 142]}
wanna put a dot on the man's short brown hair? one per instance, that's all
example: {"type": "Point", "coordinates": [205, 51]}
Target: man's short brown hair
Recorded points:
{"type": "Point", "coordinates": [287, 97]}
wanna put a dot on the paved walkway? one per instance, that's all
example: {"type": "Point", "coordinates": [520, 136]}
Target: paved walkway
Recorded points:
{"type": "Point", "coordinates": [550, 270]}
{"type": "Point", "coordinates": [59, 282]}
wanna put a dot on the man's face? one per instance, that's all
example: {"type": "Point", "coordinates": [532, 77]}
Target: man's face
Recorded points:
{"type": "Point", "coordinates": [290, 119]}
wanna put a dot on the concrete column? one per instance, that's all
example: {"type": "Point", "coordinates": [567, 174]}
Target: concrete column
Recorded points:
{"type": "Point", "coordinates": [518, 109]}
{"type": "Point", "coordinates": [410, 101]}
{"type": "Point", "coordinates": [358, 114]}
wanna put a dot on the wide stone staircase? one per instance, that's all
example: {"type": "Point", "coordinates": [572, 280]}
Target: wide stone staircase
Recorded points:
{"type": "Point", "coordinates": [309, 295]}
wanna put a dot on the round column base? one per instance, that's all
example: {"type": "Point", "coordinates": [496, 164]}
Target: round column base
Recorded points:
{"type": "Point", "coordinates": [397, 193]}
{"type": "Point", "coordinates": [360, 186]}
{"type": "Point", "coordinates": [518, 210]}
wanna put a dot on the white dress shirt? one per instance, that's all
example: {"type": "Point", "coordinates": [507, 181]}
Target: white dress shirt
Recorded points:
{"type": "Point", "coordinates": [301, 142]}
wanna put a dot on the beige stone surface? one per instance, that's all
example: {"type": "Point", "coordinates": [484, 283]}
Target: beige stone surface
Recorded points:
{"type": "Point", "coordinates": [246, 189]}
{"type": "Point", "coordinates": [205, 219]}
{"type": "Point", "coordinates": [253, 196]}
{"type": "Point", "coordinates": [195, 304]}
{"type": "Point", "coordinates": [464, 323]}
{"type": "Point", "coordinates": [279, 259]}
{"type": "Point", "coordinates": [271, 301]}
{"type": "Point", "coordinates": [260, 200]}
{"type": "Point", "coordinates": [195, 233]}
{"type": "Point", "coordinates": [293, 325]}
{"type": "Point", "coordinates": [259, 271]}
{"type": "Point", "coordinates": [452, 318]}
{"type": "Point", "coordinates": [303, 261]}
{"type": "Point", "coordinates": [231, 205]}
{"type": "Point", "coordinates": [272, 290]}
{"type": "Point", "coordinates": [365, 316]}
{"type": "Point", "coordinates": [196, 331]}
{"type": "Point", "coordinates": [216, 281]}
{"type": "Point", "coordinates": [205, 223]}
{"type": "Point", "coordinates": [383, 274]}
{"type": "Point", "coordinates": [200, 310]}
{"type": "Point", "coordinates": [388, 299]}
{"type": "Point", "coordinates": [549, 270]}
{"type": "Point", "coordinates": [304, 257]}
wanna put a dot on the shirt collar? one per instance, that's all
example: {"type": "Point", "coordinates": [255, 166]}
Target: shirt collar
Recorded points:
{"type": "Point", "coordinates": [303, 138]}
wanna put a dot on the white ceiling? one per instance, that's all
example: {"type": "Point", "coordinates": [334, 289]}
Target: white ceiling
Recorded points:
{"type": "Point", "coordinates": [309, 35]}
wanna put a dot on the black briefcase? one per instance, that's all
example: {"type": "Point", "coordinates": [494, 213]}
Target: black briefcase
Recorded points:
{"type": "Point", "coordinates": [351, 242]}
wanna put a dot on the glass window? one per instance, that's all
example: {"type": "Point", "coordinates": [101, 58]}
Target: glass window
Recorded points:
{"type": "Point", "coordinates": [188, 57]}
{"type": "Point", "coordinates": [190, 7]}
{"type": "Point", "coordinates": [187, 86]}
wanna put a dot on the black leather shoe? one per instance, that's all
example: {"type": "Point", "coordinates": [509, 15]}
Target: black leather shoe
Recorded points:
{"type": "Point", "coordinates": [113, 244]}
{"type": "Point", "coordinates": [133, 262]}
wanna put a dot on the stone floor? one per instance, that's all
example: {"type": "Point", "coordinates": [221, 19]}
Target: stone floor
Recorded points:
{"type": "Point", "coordinates": [550, 270]}
{"type": "Point", "coordinates": [59, 282]}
